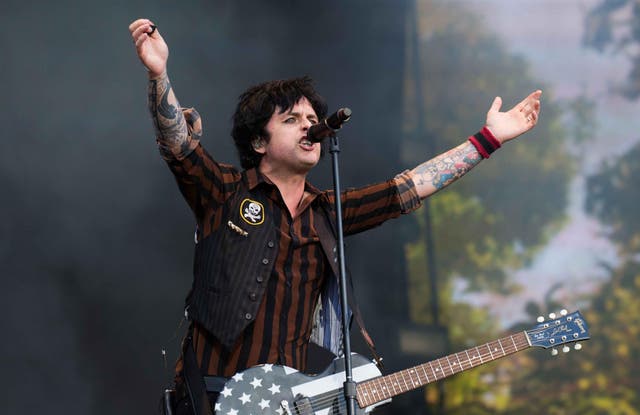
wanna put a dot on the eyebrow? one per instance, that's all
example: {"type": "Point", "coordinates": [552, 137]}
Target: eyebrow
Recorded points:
{"type": "Point", "coordinates": [297, 114]}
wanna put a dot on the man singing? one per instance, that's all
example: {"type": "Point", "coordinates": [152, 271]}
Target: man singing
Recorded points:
{"type": "Point", "coordinates": [264, 282]}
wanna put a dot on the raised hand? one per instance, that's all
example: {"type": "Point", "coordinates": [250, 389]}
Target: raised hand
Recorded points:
{"type": "Point", "coordinates": [150, 46]}
{"type": "Point", "coordinates": [521, 118]}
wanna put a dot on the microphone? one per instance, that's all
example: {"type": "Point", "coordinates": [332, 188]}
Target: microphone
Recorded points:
{"type": "Point", "coordinates": [328, 126]}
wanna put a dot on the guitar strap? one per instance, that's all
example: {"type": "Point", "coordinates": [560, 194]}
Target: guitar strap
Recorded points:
{"type": "Point", "coordinates": [328, 240]}
{"type": "Point", "coordinates": [194, 380]}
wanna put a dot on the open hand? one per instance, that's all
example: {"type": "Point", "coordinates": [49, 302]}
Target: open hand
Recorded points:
{"type": "Point", "coordinates": [150, 46]}
{"type": "Point", "coordinates": [521, 118]}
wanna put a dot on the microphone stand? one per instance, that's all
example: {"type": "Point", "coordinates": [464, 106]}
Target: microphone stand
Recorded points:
{"type": "Point", "coordinates": [349, 384]}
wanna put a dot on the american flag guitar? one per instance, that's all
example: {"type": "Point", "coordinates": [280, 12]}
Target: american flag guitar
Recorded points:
{"type": "Point", "coordinates": [273, 389]}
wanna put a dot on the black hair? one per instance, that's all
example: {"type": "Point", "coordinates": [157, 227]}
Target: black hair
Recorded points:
{"type": "Point", "coordinates": [258, 103]}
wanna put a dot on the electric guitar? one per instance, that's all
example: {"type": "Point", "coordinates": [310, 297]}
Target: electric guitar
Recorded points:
{"type": "Point", "coordinates": [272, 389]}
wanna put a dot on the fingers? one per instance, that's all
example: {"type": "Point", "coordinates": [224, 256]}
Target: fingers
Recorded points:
{"type": "Point", "coordinates": [530, 107]}
{"type": "Point", "coordinates": [141, 30]}
{"type": "Point", "coordinates": [496, 104]}
{"type": "Point", "coordinates": [137, 23]}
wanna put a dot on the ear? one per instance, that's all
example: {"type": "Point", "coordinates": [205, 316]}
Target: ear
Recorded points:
{"type": "Point", "coordinates": [258, 145]}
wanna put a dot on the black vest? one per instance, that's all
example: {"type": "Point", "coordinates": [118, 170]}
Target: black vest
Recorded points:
{"type": "Point", "coordinates": [233, 264]}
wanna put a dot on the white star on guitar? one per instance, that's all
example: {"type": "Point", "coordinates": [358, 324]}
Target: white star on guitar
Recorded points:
{"type": "Point", "coordinates": [274, 389]}
{"type": "Point", "coordinates": [245, 398]}
{"type": "Point", "coordinates": [256, 383]}
{"type": "Point", "coordinates": [226, 392]}
{"type": "Point", "coordinates": [264, 404]}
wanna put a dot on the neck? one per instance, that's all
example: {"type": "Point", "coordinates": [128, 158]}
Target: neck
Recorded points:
{"type": "Point", "coordinates": [291, 187]}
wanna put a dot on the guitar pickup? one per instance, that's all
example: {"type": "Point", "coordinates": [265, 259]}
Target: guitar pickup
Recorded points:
{"type": "Point", "coordinates": [302, 404]}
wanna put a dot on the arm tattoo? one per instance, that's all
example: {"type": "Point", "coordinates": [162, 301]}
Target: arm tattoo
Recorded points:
{"type": "Point", "coordinates": [448, 167]}
{"type": "Point", "coordinates": [168, 121]}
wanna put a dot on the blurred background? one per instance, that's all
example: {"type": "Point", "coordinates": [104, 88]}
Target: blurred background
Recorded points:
{"type": "Point", "coordinates": [96, 241]}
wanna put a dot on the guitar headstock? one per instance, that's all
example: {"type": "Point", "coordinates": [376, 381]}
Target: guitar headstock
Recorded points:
{"type": "Point", "coordinates": [568, 328]}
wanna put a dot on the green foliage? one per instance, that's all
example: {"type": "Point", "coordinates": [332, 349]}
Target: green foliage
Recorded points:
{"type": "Point", "coordinates": [480, 390]}
{"type": "Point", "coordinates": [614, 25]}
{"type": "Point", "coordinates": [496, 217]}
{"type": "Point", "coordinates": [613, 196]}
{"type": "Point", "coordinates": [582, 119]}
{"type": "Point", "coordinates": [603, 376]}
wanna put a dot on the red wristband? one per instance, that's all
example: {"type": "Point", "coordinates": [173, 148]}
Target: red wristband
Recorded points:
{"type": "Point", "coordinates": [485, 142]}
{"type": "Point", "coordinates": [486, 132]}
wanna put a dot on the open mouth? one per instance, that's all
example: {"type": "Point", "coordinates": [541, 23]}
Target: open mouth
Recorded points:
{"type": "Point", "coordinates": [306, 143]}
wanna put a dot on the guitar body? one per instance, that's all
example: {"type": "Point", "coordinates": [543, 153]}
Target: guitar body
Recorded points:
{"type": "Point", "coordinates": [280, 390]}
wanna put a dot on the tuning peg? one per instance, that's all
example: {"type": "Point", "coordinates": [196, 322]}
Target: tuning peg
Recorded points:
{"type": "Point", "coordinates": [563, 312]}
{"type": "Point", "coordinates": [566, 349]}
{"type": "Point", "coordinates": [540, 319]}
{"type": "Point", "coordinates": [577, 346]}
{"type": "Point", "coordinates": [554, 352]}
{"type": "Point", "coordinates": [552, 316]}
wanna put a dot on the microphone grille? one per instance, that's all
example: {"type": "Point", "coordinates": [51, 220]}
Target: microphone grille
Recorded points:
{"type": "Point", "coordinates": [345, 114]}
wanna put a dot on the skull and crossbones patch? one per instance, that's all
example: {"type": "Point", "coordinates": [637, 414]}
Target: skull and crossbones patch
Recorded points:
{"type": "Point", "coordinates": [252, 212]}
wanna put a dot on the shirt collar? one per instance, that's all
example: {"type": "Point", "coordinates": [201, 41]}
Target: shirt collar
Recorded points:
{"type": "Point", "coordinates": [255, 178]}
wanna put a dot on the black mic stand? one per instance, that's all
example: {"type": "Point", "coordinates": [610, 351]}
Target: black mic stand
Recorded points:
{"type": "Point", "coordinates": [349, 384]}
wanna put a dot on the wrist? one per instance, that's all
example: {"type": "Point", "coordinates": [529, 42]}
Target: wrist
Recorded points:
{"type": "Point", "coordinates": [154, 76]}
{"type": "Point", "coordinates": [485, 142]}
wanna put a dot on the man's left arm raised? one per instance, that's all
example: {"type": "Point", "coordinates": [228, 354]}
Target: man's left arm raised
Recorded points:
{"type": "Point", "coordinates": [442, 170]}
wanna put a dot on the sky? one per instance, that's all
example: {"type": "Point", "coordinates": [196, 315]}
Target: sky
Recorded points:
{"type": "Point", "coordinates": [548, 33]}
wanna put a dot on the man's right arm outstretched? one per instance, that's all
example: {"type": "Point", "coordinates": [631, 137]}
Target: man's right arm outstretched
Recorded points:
{"type": "Point", "coordinates": [168, 120]}
{"type": "Point", "coordinates": [178, 130]}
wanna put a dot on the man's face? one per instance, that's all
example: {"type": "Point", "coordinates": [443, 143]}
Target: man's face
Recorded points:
{"type": "Point", "coordinates": [287, 149]}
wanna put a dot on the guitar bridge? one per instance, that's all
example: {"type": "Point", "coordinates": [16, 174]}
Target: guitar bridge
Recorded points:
{"type": "Point", "coordinates": [284, 405]}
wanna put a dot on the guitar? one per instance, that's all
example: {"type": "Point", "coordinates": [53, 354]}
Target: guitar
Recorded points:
{"type": "Point", "coordinates": [272, 389]}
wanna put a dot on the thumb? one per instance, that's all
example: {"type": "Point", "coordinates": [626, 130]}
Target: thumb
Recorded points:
{"type": "Point", "coordinates": [495, 106]}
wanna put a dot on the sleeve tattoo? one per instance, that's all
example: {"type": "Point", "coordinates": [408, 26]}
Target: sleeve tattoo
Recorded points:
{"type": "Point", "coordinates": [447, 167]}
{"type": "Point", "coordinates": [168, 120]}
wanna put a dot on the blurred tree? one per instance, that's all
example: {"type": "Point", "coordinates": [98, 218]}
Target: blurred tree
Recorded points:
{"type": "Point", "coordinates": [497, 217]}
{"type": "Point", "coordinates": [581, 111]}
{"type": "Point", "coordinates": [603, 378]}
{"type": "Point", "coordinates": [614, 26]}
{"type": "Point", "coordinates": [613, 196]}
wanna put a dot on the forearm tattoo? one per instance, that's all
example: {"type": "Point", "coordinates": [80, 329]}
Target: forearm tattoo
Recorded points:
{"type": "Point", "coordinates": [448, 167]}
{"type": "Point", "coordinates": [168, 120]}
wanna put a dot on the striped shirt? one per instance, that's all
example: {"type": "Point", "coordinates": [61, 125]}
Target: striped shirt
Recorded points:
{"type": "Point", "coordinates": [281, 329]}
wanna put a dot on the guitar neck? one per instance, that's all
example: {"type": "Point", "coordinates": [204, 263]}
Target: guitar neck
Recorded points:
{"type": "Point", "coordinates": [382, 388]}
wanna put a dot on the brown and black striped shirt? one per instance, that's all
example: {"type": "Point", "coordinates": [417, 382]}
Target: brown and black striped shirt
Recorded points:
{"type": "Point", "coordinates": [281, 328]}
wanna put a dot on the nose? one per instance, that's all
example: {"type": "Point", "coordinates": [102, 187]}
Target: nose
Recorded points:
{"type": "Point", "coordinates": [306, 124]}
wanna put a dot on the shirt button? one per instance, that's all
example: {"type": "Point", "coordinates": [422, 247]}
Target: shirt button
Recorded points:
{"type": "Point", "coordinates": [259, 278]}
{"type": "Point", "coordinates": [270, 244]}
{"type": "Point", "coordinates": [265, 261]}
{"type": "Point", "coordinates": [248, 316]}
{"type": "Point", "coordinates": [253, 296]}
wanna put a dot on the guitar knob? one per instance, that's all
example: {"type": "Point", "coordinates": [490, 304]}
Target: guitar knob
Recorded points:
{"type": "Point", "coordinates": [566, 349]}
{"type": "Point", "coordinates": [552, 316]}
{"type": "Point", "coordinates": [578, 346]}
{"type": "Point", "coordinates": [563, 312]}
{"type": "Point", "coordinates": [554, 352]}
{"type": "Point", "coordinates": [540, 319]}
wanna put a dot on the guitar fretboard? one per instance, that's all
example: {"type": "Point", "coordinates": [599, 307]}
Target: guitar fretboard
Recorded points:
{"type": "Point", "coordinates": [385, 387]}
